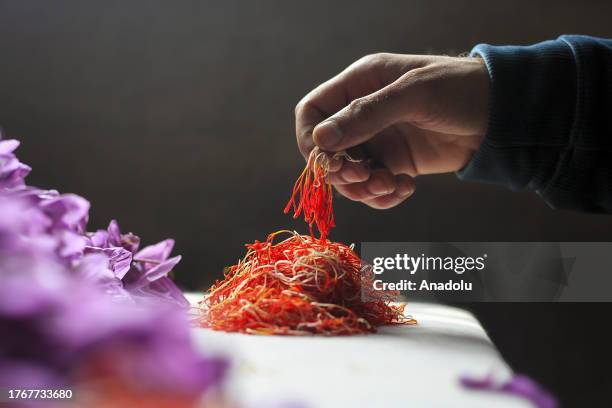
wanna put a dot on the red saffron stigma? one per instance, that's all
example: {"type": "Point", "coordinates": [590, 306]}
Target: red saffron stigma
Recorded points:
{"type": "Point", "coordinates": [314, 195]}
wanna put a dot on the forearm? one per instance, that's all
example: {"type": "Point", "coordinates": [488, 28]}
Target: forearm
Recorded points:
{"type": "Point", "coordinates": [550, 121]}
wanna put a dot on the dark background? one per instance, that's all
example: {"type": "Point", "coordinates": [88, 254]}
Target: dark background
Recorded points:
{"type": "Point", "coordinates": [176, 118]}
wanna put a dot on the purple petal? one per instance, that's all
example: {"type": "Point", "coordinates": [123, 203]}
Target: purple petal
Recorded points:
{"type": "Point", "coordinates": [68, 211]}
{"type": "Point", "coordinates": [19, 374]}
{"type": "Point", "coordinates": [519, 385]}
{"type": "Point", "coordinates": [155, 273]}
{"type": "Point", "coordinates": [93, 268]}
{"type": "Point", "coordinates": [31, 283]}
{"type": "Point", "coordinates": [155, 253]}
{"type": "Point", "coordinates": [524, 386]}
{"type": "Point", "coordinates": [483, 383]}
{"type": "Point", "coordinates": [163, 288]}
{"type": "Point", "coordinates": [98, 239]}
{"type": "Point", "coordinates": [12, 172]}
{"type": "Point", "coordinates": [35, 195]}
{"type": "Point", "coordinates": [128, 241]}
{"type": "Point", "coordinates": [18, 218]}
{"type": "Point", "coordinates": [71, 245]}
{"type": "Point", "coordinates": [119, 259]}
{"type": "Point", "coordinates": [8, 146]}
{"type": "Point", "coordinates": [114, 233]}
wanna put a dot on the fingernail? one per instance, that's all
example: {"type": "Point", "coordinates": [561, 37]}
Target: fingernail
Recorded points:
{"type": "Point", "coordinates": [327, 134]}
{"type": "Point", "coordinates": [406, 192]}
{"type": "Point", "coordinates": [380, 188]}
{"type": "Point", "coordinates": [350, 175]}
{"type": "Point", "coordinates": [404, 188]}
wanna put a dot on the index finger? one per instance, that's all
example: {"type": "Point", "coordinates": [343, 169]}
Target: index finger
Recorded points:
{"type": "Point", "coordinates": [319, 104]}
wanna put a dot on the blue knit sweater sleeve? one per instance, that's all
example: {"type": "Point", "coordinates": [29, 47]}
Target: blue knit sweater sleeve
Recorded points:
{"type": "Point", "coordinates": [550, 121]}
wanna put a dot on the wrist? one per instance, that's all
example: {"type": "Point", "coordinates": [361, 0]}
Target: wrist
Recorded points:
{"type": "Point", "coordinates": [531, 106]}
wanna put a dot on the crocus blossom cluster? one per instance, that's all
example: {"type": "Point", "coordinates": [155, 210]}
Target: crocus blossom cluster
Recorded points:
{"type": "Point", "coordinates": [90, 310]}
{"type": "Point", "coordinates": [60, 220]}
{"type": "Point", "coordinates": [142, 273]}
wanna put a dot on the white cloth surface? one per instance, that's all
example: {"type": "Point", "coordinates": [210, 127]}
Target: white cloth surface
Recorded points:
{"type": "Point", "coordinates": [400, 366]}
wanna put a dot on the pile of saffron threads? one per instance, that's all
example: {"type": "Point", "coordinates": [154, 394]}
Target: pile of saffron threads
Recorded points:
{"type": "Point", "coordinates": [302, 284]}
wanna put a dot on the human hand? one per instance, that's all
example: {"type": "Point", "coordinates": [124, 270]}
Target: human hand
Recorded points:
{"type": "Point", "coordinates": [404, 115]}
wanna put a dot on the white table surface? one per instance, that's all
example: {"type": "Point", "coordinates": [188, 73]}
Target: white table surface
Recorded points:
{"type": "Point", "coordinates": [400, 366]}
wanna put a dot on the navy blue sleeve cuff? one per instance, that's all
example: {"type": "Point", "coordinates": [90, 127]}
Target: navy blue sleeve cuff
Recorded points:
{"type": "Point", "coordinates": [531, 111]}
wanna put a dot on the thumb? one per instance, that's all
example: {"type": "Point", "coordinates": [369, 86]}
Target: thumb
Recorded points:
{"type": "Point", "coordinates": [362, 119]}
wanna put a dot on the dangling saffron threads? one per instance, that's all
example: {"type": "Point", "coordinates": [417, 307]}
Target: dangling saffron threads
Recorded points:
{"type": "Point", "coordinates": [312, 195]}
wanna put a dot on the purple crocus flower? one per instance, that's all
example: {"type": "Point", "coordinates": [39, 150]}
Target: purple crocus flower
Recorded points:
{"type": "Point", "coordinates": [519, 385]}
{"type": "Point", "coordinates": [63, 218]}
{"type": "Point", "coordinates": [144, 273]}
{"type": "Point", "coordinates": [89, 310]}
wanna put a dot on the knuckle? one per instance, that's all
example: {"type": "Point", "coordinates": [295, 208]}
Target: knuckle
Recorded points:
{"type": "Point", "coordinates": [424, 82]}
{"type": "Point", "coordinates": [304, 143]}
{"type": "Point", "coordinates": [366, 59]}
{"type": "Point", "coordinates": [374, 59]}
{"type": "Point", "coordinates": [426, 78]}
{"type": "Point", "coordinates": [299, 107]}
{"type": "Point", "coordinates": [360, 106]}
